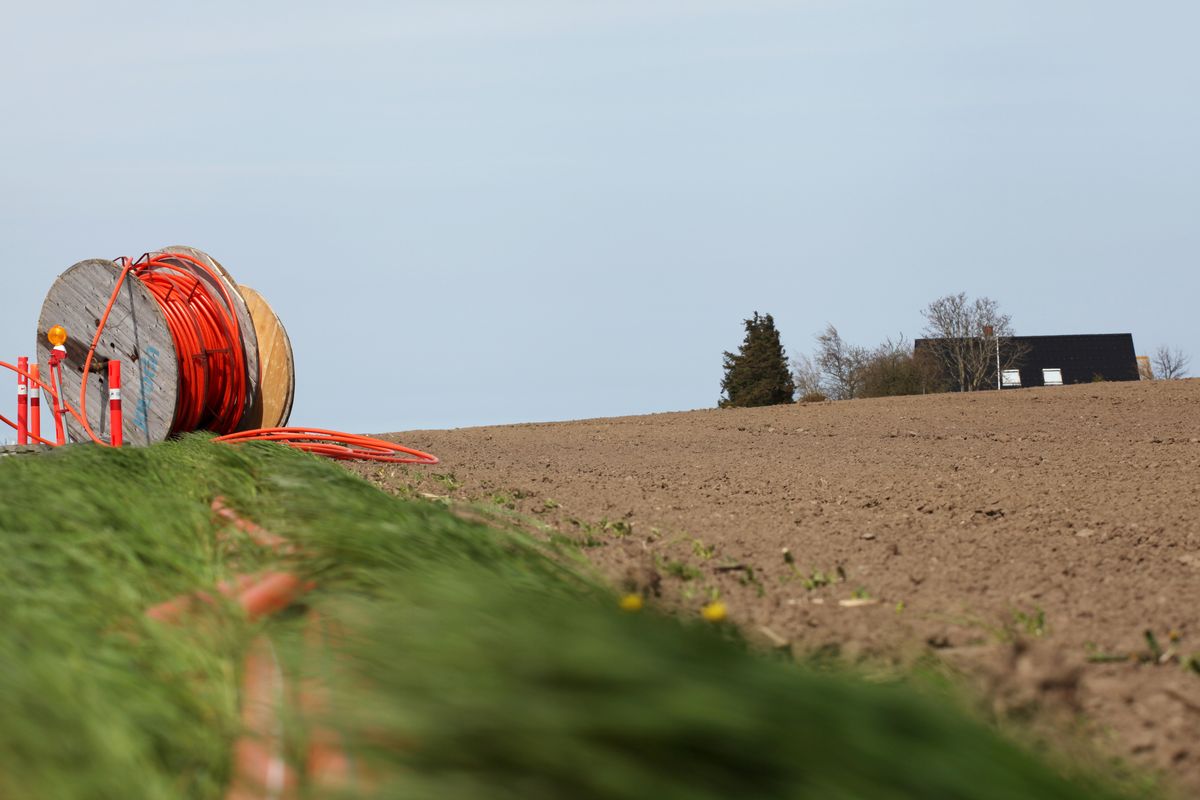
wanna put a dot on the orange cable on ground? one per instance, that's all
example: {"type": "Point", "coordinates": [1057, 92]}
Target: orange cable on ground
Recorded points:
{"type": "Point", "coordinates": [334, 444]}
{"type": "Point", "coordinates": [260, 768]}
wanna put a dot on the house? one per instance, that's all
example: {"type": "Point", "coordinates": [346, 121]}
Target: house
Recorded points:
{"type": "Point", "coordinates": [1056, 360]}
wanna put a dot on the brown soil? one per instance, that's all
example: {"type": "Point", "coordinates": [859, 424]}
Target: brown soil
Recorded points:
{"type": "Point", "coordinates": [1030, 538]}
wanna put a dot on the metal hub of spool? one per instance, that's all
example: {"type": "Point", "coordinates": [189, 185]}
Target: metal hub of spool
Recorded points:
{"type": "Point", "coordinates": [138, 336]}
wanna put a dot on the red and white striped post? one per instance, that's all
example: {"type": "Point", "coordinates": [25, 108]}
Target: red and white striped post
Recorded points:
{"type": "Point", "coordinates": [114, 402]}
{"type": "Point", "coordinates": [55, 366]}
{"type": "Point", "coordinates": [22, 401]}
{"type": "Point", "coordinates": [35, 402]}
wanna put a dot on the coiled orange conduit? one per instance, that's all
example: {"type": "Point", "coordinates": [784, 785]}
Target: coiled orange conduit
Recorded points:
{"type": "Point", "coordinates": [208, 342]}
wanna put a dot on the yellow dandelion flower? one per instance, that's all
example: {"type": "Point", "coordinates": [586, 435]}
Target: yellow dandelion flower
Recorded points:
{"type": "Point", "coordinates": [714, 611]}
{"type": "Point", "coordinates": [631, 602]}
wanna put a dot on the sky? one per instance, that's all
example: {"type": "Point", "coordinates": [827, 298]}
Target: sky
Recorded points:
{"type": "Point", "coordinates": [471, 212]}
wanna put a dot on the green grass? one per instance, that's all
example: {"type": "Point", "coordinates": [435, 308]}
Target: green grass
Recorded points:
{"type": "Point", "coordinates": [463, 661]}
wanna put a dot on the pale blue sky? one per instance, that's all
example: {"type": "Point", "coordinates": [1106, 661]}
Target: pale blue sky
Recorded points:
{"type": "Point", "coordinates": [480, 212]}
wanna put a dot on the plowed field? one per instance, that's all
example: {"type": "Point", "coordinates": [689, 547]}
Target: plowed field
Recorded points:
{"type": "Point", "coordinates": [1044, 541]}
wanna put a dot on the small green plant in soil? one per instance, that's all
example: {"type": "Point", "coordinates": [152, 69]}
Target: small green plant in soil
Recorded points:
{"type": "Point", "coordinates": [816, 580]}
{"type": "Point", "coordinates": [680, 569]}
{"type": "Point", "coordinates": [749, 578]}
{"type": "Point", "coordinates": [619, 528]}
{"type": "Point", "coordinates": [1031, 624]}
{"type": "Point", "coordinates": [504, 500]}
{"type": "Point", "coordinates": [447, 480]}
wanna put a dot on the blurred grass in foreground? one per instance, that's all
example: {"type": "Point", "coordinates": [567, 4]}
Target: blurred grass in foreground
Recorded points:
{"type": "Point", "coordinates": [462, 661]}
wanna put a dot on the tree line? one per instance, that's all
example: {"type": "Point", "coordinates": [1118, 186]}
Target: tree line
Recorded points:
{"type": "Point", "coordinates": [965, 338]}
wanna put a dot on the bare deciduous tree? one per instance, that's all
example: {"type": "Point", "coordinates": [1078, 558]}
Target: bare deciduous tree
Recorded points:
{"type": "Point", "coordinates": [807, 377]}
{"type": "Point", "coordinates": [963, 338]}
{"type": "Point", "coordinates": [840, 364]}
{"type": "Point", "coordinates": [1170, 364]}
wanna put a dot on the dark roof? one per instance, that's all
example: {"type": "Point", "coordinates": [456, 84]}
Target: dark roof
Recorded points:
{"type": "Point", "coordinates": [1081, 357]}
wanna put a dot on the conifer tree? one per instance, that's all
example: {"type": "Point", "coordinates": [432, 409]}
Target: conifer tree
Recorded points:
{"type": "Point", "coordinates": [757, 375]}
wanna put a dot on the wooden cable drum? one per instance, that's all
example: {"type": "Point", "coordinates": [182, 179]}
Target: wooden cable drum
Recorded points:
{"type": "Point", "coordinates": [138, 335]}
{"type": "Point", "coordinates": [273, 404]}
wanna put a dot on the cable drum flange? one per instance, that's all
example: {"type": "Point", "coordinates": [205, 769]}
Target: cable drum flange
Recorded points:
{"type": "Point", "coordinates": [136, 334]}
{"type": "Point", "coordinates": [273, 404]}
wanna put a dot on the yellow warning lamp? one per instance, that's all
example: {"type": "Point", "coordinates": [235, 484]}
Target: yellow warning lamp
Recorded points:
{"type": "Point", "coordinates": [57, 335]}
